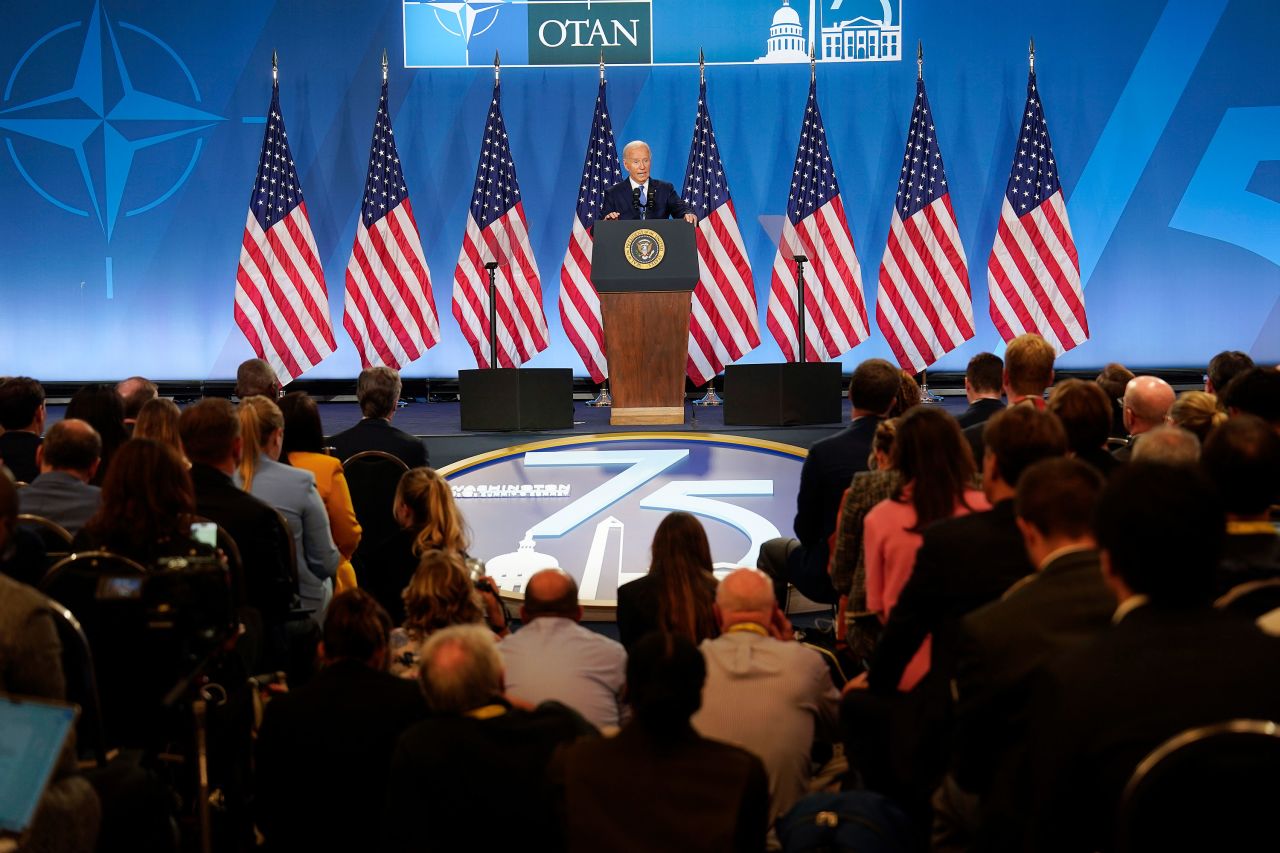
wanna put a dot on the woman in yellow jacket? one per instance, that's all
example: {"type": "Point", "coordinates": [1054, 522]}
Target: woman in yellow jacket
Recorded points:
{"type": "Point", "coordinates": [304, 448]}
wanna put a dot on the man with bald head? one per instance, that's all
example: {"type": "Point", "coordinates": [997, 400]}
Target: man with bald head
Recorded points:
{"type": "Point", "coordinates": [554, 658]}
{"type": "Point", "coordinates": [1147, 400]}
{"type": "Point", "coordinates": [765, 692]}
{"type": "Point", "coordinates": [640, 196]}
{"type": "Point", "coordinates": [68, 458]}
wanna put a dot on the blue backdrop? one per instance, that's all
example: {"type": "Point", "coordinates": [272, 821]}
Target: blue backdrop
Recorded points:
{"type": "Point", "coordinates": [131, 133]}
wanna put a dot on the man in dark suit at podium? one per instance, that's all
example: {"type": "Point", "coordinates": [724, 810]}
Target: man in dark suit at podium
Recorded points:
{"type": "Point", "coordinates": [640, 196]}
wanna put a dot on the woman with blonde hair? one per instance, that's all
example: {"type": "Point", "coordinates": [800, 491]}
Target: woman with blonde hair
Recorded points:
{"type": "Point", "coordinates": [158, 420]}
{"type": "Point", "coordinates": [1198, 412]}
{"type": "Point", "coordinates": [293, 492]}
{"type": "Point", "coordinates": [439, 594]}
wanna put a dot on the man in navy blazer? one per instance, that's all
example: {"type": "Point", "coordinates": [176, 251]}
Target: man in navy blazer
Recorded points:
{"type": "Point", "coordinates": [640, 196]}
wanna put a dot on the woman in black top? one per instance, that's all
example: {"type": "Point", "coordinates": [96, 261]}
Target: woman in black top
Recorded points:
{"type": "Point", "coordinates": [679, 592]}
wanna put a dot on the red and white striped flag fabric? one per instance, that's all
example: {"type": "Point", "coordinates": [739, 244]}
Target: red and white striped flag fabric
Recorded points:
{"type": "Point", "coordinates": [579, 304]}
{"type": "Point", "coordinates": [390, 312]}
{"type": "Point", "coordinates": [1033, 271]}
{"type": "Point", "coordinates": [923, 306]}
{"type": "Point", "coordinates": [835, 315]}
{"type": "Point", "coordinates": [723, 326]}
{"type": "Point", "coordinates": [498, 232]}
{"type": "Point", "coordinates": [281, 302]}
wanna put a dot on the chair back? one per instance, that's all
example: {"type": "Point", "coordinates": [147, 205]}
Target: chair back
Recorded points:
{"type": "Point", "coordinates": [82, 683]}
{"type": "Point", "coordinates": [372, 477]}
{"type": "Point", "coordinates": [55, 538]}
{"type": "Point", "coordinates": [1208, 788]}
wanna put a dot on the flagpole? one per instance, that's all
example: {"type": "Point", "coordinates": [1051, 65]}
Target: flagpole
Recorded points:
{"type": "Point", "coordinates": [801, 354]}
{"type": "Point", "coordinates": [604, 399]}
{"type": "Point", "coordinates": [926, 396]}
{"type": "Point", "coordinates": [384, 65]}
{"type": "Point", "coordinates": [710, 398]}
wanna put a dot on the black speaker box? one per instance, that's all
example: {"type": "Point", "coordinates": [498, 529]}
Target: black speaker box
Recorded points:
{"type": "Point", "coordinates": [527, 398]}
{"type": "Point", "coordinates": [783, 394]}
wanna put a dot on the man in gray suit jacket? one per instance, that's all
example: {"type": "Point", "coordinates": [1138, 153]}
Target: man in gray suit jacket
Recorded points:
{"type": "Point", "coordinates": [68, 459]}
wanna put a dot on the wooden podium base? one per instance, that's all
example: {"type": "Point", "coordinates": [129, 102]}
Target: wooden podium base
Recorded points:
{"type": "Point", "coordinates": [647, 415]}
{"type": "Point", "coordinates": [646, 336]}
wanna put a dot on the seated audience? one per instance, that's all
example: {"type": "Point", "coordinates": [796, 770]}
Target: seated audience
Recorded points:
{"type": "Point", "coordinates": [659, 786]}
{"type": "Point", "coordinates": [678, 594]}
{"type": "Point", "coordinates": [1224, 367]}
{"type": "Point", "coordinates": [304, 448]}
{"type": "Point", "coordinates": [439, 595]}
{"type": "Point", "coordinates": [937, 474]}
{"type": "Point", "coordinates": [293, 492]}
{"type": "Point", "coordinates": [378, 390]}
{"type": "Point", "coordinates": [983, 388]}
{"type": "Point", "coordinates": [553, 657]}
{"type": "Point", "coordinates": [135, 392]}
{"type": "Point", "coordinates": [1085, 413]}
{"type": "Point", "coordinates": [101, 407]}
{"type": "Point", "coordinates": [474, 754]}
{"type": "Point", "coordinates": [148, 506]}
{"type": "Point", "coordinates": [1168, 445]}
{"type": "Point", "coordinates": [1168, 663]}
{"type": "Point", "coordinates": [1242, 461]}
{"type": "Point", "coordinates": [826, 473]}
{"type": "Point", "coordinates": [335, 735]}
{"type": "Point", "coordinates": [68, 459]}
{"type": "Point", "coordinates": [428, 520]}
{"type": "Point", "coordinates": [158, 419]}
{"type": "Point", "coordinates": [909, 395]}
{"type": "Point", "coordinates": [257, 378]}
{"type": "Point", "coordinates": [1005, 645]}
{"type": "Point", "coordinates": [1147, 400]}
{"type": "Point", "coordinates": [1255, 392]}
{"type": "Point", "coordinates": [764, 691]}
{"type": "Point", "coordinates": [1028, 371]}
{"type": "Point", "coordinates": [22, 415]}
{"type": "Point", "coordinates": [1198, 412]}
{"type": "Point", "coordinates": [1113, 379]}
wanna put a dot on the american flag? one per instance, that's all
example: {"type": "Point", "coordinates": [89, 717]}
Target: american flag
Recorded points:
{"type": "Point", "coordinates": [723, 326]}
{"type": "Point", "coordinates": [835, 315]}
{"type": "Point", "coordinates": [497, 231]}
{"type": "Point", "coordinates": [579, 305]}
{"type": "Point", "coordinates": [390, 312]}
{"type": "Point", "coordinates": [281, 303]}
{"type": "Point", "coordinates": [923, 306]}
{"type": "Point", "coordinates": [1033, 271]}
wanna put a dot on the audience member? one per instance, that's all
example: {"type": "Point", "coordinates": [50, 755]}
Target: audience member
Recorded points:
{"type": "Point", "coordinates": [257, 378]}
{"type": "Point", "coordinates": [1005, 645]}
{"type": "Point", "coordinates": [101, 407]}
{"type": "Point", "coordinates": [148, 506]}
{"type": "Point", "coordinates": [476, 752]}
{"type": "Point", "coordinates": [983, 388]}
{"type": "Point", "coordinates": [1028, 371]}
{"type": "Point", "coordinates": [659, 785]}
{"type": "Point", "coordinates": [937, 475]}
{"type": "Point", "coordinates": [1242, 461]}
{"type": "Point", "coordinates": [678, 594]}
{"type": "Point", "coordinates": [1168, 445]}
{"type": "Point", "coordinates": [552, 657]}
{"type": "Point", "coordinates": [68, 459]}
{"type": "Point", "coordinates": [135, 392]}
{"type": "Point", "coordinates": [428, 520]}
{"type": "Point", "coordinates": [1224, 367]}
{"type": "Point", "coordinates": [439, 595]}
{"type": "Point", "coordinates": [378, 390]}
{"type": "Point", "coordinates": [22, 415]}
{"type": "Point", "coordinates": [826, 474]}
{"type": "Point", "coordinates": [1113, 379]}
{"type": "Point", "coordinates": [1169, 662]}
{"type": "Point", "coordinates": [1146, 402]}
{"type": "Point", "coordinates": [22, 554]}
{"type": "Point", "coordinates": [158, 419]}
{"type": "Point", "coordinates": [1085, 413]}
{"type": "Point", "coordinates": [1197, 411]}
{"type": "Point", "coordinates": [304, 448]}
{"type": "Point", "coordinates": [1255, 392]}
{"type": "Point", "coordinates": [334, 735]}
{"type": "Point", "coordinates": [909, 395]}
{"type": "Point", "coordinates": [764, 691]}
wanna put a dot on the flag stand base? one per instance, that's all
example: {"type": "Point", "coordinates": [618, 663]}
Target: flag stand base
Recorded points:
{"type": "Point", "coordinates": [711, 398]}
{"type": "Point", "coordinates": [603, 400]}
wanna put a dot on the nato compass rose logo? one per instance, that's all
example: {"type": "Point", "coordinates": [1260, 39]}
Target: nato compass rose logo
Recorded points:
{"type": "Point", "coordinates": [101, 121]}
{"type": "Point", "coordinates": [466, 19]}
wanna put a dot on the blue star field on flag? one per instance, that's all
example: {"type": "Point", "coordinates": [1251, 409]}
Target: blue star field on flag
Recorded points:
{"type": "Point", "coordinates": [496, 190]}
{"type": "Point", "coordinates": [705, 187]}
{"type": "Point", "coordinates": [276, 191]}
{"type": "Point", "coordinates": [1034, 177]}
{"type": "Point", "coordinates": [923, 180]}
{"type": "Point", "coordinates": [813, 182]}
{"type": "Point", "coordinates": [600, 170]}
{"type": "Point", "coordinates": [384, 187]}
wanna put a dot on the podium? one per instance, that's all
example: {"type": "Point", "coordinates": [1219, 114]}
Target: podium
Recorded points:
{"type": "Point", "coordinates": [644, 272]}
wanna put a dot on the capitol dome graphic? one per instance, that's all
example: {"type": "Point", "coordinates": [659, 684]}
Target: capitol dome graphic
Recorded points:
{"type": "Point", "coordinates": [838, 30]}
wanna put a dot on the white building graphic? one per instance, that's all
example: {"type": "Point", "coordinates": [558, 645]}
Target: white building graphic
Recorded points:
{"type": "Point", "coordinates": [859, 38]}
